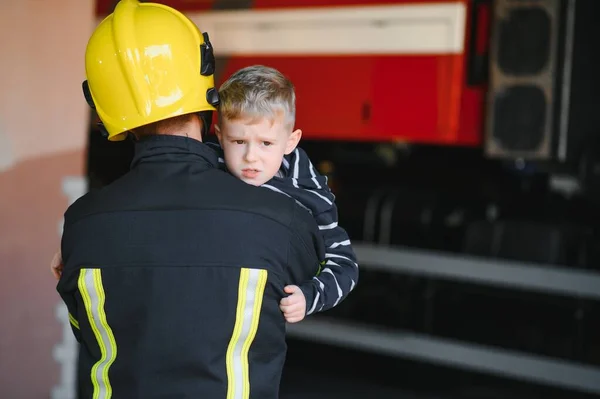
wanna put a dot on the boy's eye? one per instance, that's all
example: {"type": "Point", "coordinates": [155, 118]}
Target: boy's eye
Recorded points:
{"type": "Point", "coordinates": [239, 141]}
{"type": "Point", "coordinates": [267, 143]}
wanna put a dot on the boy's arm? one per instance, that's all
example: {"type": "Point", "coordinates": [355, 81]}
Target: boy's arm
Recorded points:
{"type": "Point", "coordinates": [339, 271]}
{"type": "Point", "coordinates": [306, 250]}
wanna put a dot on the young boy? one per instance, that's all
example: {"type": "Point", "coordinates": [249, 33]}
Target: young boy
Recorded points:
{"type": "Point", "coordinates": [258, 145]}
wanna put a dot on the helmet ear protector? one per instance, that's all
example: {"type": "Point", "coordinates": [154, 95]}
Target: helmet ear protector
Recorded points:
{"type": "Point", "coordinates": [207, 68]}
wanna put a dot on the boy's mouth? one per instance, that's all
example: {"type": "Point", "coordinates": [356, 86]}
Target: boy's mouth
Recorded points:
{"type": "Point", "coordinates": [250, 173]}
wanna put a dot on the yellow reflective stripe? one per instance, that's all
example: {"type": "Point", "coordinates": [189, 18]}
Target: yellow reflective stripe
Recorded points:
{"type": "Point", "coordinates": [92, 292]}
{"type": "Point", "coordinates": [73, 321]}
{"type": "Point", "coordinates": [250, 294]}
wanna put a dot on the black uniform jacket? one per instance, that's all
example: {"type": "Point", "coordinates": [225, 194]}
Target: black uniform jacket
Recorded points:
{"type": "Point", "coordinates": [173, 276]}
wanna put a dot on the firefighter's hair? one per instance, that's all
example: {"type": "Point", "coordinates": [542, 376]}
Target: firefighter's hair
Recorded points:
{"type": "Point", "coordinates": [256, 92]}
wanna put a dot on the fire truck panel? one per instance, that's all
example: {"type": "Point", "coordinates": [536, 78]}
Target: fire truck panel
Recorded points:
{"type": "Point", "coordinates": [387, 70]}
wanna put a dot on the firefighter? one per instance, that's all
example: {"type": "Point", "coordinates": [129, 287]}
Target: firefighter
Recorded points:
{"type": "Point", "coordinates": [173, 274]}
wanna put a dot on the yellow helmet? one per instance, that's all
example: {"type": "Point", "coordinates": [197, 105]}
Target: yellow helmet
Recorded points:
{"type": "Point", "coordinates": [147, 62]}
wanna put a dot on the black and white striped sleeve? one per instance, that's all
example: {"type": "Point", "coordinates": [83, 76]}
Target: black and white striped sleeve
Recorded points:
{"type": "Point", "coordinates": [339, 271]}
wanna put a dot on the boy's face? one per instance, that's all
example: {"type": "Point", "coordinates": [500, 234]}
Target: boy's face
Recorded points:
{"type": "Point", "coordinates": [254, 149]}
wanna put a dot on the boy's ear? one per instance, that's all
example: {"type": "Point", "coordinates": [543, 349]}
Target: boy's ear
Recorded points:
{"type": "Point", "coordinates": [293, 141]}
{"type": "Point", "coordinates": [218, 132]}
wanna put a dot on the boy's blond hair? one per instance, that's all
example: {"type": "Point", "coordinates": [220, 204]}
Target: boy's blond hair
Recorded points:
{"type": "Point", "coordinates": [258, 91]}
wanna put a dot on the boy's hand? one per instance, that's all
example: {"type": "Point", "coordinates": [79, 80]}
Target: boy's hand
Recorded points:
{"type": "Point", "coordinates": [56, 265]}
{"type": "Point", "coordinates": [293, 306]}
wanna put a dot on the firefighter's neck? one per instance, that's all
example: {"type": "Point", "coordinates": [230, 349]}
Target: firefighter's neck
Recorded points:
{"type": "Point", "coordinates": [191, 128]}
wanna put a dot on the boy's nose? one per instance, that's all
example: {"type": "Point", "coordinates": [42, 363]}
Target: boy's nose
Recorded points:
{"type": "Point", "coordinates": [250, 155]}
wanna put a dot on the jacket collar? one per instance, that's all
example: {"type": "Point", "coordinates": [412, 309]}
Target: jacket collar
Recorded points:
{"type": "Point", "coordinates": [163, 148]}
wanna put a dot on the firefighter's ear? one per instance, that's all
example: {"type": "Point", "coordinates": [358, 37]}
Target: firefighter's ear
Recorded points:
{"type": "Point", "coordinates": [293, 141]}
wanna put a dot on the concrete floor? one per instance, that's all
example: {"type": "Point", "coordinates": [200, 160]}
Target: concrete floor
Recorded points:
{"type": "Point", "coordinates": [323, 372]}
